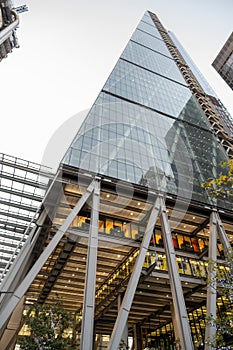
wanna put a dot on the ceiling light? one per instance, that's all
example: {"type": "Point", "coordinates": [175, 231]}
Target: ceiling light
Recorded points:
{"type": "Point", "coordinates": [131, 213]}
{"type": "Point", "coordinates": [139, 203]}
{"type": "Point", "coordinates": [108, 195]}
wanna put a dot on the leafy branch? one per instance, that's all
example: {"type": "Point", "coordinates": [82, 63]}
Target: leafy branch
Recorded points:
{"type": "Point", "coordinates": [222, 186]}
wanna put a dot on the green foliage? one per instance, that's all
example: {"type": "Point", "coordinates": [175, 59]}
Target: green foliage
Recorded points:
{"type": "Point", "coordinates": [222, 186]}
{"type": "Point", "coordinates": [223, 282]}
{"type": "Point", "coordinates": [49, 328]}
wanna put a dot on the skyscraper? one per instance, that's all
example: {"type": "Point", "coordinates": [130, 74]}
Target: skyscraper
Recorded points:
{"type": "Point", "coordinates": [223, 63]}
{"type": "Point", "coordinates": [125, 226]}
{"type": "Point", "coordinates": [9, 21]}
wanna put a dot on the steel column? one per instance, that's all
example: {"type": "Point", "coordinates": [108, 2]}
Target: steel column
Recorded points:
{"type": "Point", "coordinates": [181, 318]}
{"type": "Point", "coordinates": [90, 280]}
{"type": "Point", "coordinates": [25, 284]}
{"type": "Point", "coordinates": [132, 285]}
{"type": "Point", "coordinates": [210, 329]}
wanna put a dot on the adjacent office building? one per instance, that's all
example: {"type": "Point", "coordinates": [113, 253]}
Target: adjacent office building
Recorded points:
{"type": "Point", "coordinates": [9, 21]}
{"type": "Point", "coordinates": [125, 231]}
{"type": "Point", "coordinates": [223, 63]}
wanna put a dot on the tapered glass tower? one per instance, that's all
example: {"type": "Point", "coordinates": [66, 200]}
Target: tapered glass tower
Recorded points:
{"type": "Point", "coordinates": [126, 231]}
{"type": "Point", "coordinates": [146, 126]}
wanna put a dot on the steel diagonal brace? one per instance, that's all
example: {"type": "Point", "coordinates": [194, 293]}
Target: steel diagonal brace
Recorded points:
{"type": "Point", "coordinates": [16, 271]}
{"type": "Point", "coordinates": [181, 322]}
{"type": "Point", "coordinates": [133, 282]}
{"type": "Point", "coordinates": [222, 235]}
{"type": "Point", "coordinates": [25, 284]}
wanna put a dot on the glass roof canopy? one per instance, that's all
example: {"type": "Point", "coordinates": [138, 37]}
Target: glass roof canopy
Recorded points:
{"type": "Point", "coordinates": [22, 188]}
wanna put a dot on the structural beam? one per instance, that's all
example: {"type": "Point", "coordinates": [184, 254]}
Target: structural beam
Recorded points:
{"type": "Point", "coordinates": [14, 273]}
{"type": "Point", "coordinates": [25, 284]}
{"type": "Point", "coordinates": [182, 328]}
{"type": "Point", "coordinates": [18, 269]}
{"type": "Point", "coordinates": [132, 285]}
{"type": "Point", "coordinates": [90, 280]}
{"type": "Point", "coordinates": [222, 235]}
{"type": "Point", "coordinates": [210, 330]}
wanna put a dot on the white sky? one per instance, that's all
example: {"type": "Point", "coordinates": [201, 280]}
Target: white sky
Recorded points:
{"type": "Point", "coordinates": [69, 47]}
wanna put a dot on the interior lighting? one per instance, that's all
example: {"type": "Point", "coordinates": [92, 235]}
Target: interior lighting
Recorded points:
{"type": "Point", "coordinates": [108, 195]}
{"type": "Point", "coordinates": [194, 217]}
{"type": "Point", "coordinates": [139, 203]}
{"type": "Point", "coordinates": [118, 256]}
{"type": "Point", "coordinates": [131, 213]}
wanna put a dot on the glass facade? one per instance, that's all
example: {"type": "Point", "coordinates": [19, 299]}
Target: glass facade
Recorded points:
{"type": "Point", "coordinates": [145, 126]}
{"type": "Point", "coordinates": [223, 63]}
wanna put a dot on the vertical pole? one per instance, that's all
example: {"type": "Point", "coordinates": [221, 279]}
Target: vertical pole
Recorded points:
{"type": "Point", "coordinates": [182, 328]}
{"type": "Point", "coordinates": [132, 285]}
{"type": "Point", "coordinates": [210, 330]}
{"type": "Point", "coordinates": [137, 337]}
{"type": "Point", "coordinates": [90, 282]}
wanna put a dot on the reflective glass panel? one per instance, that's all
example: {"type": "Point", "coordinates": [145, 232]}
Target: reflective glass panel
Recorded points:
{"type": "Point", "coordinates": [152, 60]}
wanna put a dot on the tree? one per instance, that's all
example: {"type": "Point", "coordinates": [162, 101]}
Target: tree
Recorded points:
{"type": "Point", "coordinates": [48, 328]}
{"type": "Point", "coordinates": [223, 281]}
{"type": "Point", "coordinates": [222, 186]}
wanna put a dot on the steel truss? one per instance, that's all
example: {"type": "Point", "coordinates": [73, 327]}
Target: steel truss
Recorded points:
{"type": "Point", "coordinates": [180, 318]}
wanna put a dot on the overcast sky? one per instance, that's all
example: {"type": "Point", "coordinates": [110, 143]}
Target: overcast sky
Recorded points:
{"type": "Point", "coordinates": [69, 47]}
